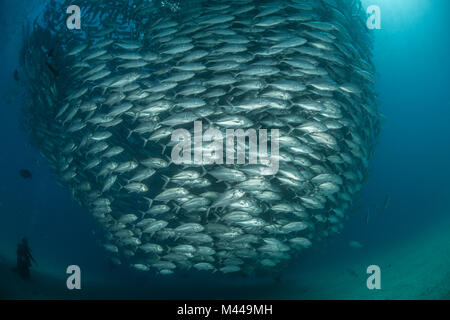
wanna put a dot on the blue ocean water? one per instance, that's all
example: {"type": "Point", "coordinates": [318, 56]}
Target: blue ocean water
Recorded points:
{"type": "Point", "coordinates": [410, 166]}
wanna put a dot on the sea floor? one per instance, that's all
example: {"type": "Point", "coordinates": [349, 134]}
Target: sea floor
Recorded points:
{"type": "Point", "coordinates": [417, 268]}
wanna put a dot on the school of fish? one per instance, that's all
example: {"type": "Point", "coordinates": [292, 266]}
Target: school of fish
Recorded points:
{"type": "Point", "coordinates": [104, 101]}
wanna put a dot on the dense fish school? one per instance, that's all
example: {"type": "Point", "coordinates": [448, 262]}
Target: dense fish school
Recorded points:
{"type": "Point", "coordinates": [104, 100]}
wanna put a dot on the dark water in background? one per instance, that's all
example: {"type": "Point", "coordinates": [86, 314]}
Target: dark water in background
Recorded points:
{"type": "Point", "coordinates": [411, 165]}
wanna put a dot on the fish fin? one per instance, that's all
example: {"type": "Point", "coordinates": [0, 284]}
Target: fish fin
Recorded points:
{"type": "Point", "coordinates": [219, 218]}
{"type": "Point", "coordinates": [170, 160]}
{"type": "Point", "coordinates": [129, 133]}
{"type": "Point", "coordinates": [177, 207]}
{"type": "Point", "coordinates": [207, 120]}
{"type": "Point", "coordinates": [207, 212]}
{"type": "Point", "coordinates": [166, 180]}
{"type": "Point", "coordinates": [265, 206]}
{"type": "Point", "coordinates": [163, 148]}
{"type": "Point", "coordinates": [291, 128]}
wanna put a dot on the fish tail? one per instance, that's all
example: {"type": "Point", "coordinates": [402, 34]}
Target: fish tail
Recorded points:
{"type": "Point", "coordinates": [166, 180]}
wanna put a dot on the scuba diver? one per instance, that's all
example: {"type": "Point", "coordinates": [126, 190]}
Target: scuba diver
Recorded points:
{"type": "Point", "coordinates": [24, 259]}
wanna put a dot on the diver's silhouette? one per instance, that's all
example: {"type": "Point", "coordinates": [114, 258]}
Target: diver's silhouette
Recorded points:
{"type": "Point", "coordinates": [24, 259]}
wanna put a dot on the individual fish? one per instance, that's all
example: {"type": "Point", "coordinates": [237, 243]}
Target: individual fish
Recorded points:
{"type": "Point", "coordinates": [25, 174]}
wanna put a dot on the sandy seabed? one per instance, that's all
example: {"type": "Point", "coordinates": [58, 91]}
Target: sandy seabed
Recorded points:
{"type": "Point", "coordinates": [418, 268]}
